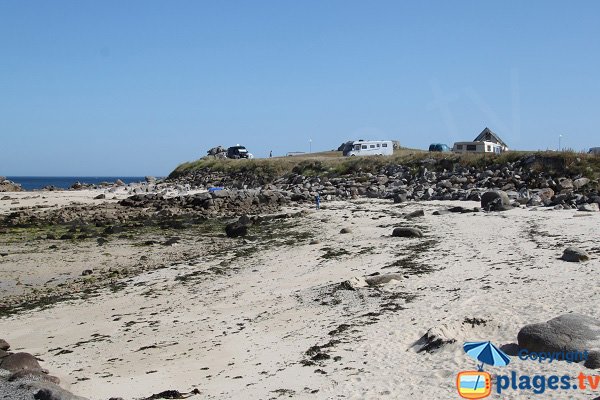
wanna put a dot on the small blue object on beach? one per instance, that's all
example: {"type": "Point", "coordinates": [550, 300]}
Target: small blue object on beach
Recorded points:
{"type": "Point", "coordinates": [214, 189]}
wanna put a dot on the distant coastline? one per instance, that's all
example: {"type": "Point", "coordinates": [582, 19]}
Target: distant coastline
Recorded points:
{"type": "Point", "coordinates": [65, 182]}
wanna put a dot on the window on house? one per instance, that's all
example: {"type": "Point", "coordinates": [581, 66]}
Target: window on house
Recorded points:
{"type": "Point", "coordinates": [471, 147]}
{"type": "Point", "coordinates": [459, 146]}
{"type": "Point", "coordinates": [489, 148]}
{"type": "Point", "coordinates": [364, 146]}
{"type": "Point", "coordinates": [372, 146]}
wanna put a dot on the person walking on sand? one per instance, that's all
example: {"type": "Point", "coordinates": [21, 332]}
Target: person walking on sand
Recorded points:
{"type": "Point", "coordinates": [271, 154]}
{"type": "Point", "coordinates": [318, 201]}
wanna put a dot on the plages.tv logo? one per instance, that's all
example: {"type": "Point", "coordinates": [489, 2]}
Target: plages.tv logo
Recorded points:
{"type": "Point", "coordinates": [478, 384]}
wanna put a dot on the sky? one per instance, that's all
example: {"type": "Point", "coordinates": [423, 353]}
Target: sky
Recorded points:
{"type": "Point", "coordinates": [137, 87]}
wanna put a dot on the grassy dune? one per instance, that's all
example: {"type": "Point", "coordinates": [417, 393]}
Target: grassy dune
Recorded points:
{"type": "Point", "coordinates": [332, 163]}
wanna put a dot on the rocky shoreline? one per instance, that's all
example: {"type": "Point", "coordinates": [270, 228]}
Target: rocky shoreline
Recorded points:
{"type": "Point", "coordinates": [531, 181]}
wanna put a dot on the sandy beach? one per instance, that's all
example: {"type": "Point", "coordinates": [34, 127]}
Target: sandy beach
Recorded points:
{"type": "Point", "coordinates": [269, 319]}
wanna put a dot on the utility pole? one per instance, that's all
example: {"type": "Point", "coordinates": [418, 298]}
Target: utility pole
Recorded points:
{"type": "Point", "coordinates": [559, 138]}
{"type": "Point", "coordinates": [310, 145]}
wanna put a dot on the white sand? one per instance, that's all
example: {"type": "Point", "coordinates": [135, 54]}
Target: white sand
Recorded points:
{"type": "Point", "coordinates": [242, 336]}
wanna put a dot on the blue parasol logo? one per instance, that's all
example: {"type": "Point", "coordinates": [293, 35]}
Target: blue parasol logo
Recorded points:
{"type": "Point", "coordinates": [486, 353]}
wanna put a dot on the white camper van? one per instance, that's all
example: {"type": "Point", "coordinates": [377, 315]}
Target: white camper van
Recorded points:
{"type": "Point", "coordinates": [372, 148]}
{"type": "Point", "coordinates": [477, 147]}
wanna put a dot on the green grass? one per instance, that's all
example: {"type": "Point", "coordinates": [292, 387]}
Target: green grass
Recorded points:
{"type": "Point", "coordinates": [332, 164]}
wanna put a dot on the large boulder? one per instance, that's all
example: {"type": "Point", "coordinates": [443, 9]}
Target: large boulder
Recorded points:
{"type": "Point", "coordinates": [565, 184]}
{"type": "Point", "coordinates": [236, 229]}
{"type": "Point", "coordinates": [4, 345]}
{"type": "Point", "coordinates": [578, 183]}
{"type": "Point", "coordinates": [20, 361]}
{"type": "Point", "coordinates": [9, 186]}
{"type": "Point", "coordinates": [565, 333]}
{"type": "Point", "coordinates": [574, 254]}
{"type": "Point", "coordinates": [495, 200]}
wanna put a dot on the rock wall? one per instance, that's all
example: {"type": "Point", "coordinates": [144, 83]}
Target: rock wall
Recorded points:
{"type": "Point", "coordinates": [530, 180]}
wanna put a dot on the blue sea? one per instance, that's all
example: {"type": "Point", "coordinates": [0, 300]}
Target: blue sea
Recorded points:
{"type": "Point", "coordinates": [65, 182]}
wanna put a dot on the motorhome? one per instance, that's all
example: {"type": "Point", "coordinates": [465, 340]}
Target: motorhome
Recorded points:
{"type": "Point", "coordinates": [371, 148]}
{"type": "Point", "coordinates": [477, 147]}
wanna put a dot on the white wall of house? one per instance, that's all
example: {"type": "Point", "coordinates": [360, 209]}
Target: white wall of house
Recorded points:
{"type": "Point", "coordinates": [477, 147]}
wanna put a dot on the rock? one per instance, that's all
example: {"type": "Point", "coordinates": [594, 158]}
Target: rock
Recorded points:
{"type": "Point", "coordinates": [407, 232]}
{"type": "Point", "coordinates": [437, 337]}
{"type": "Point", "coordinates": [345, 230]}
{"type": "Point", "coordinates": [3, 353]}
{"type": "Point", "coordinates": [415, 214]}
{"type": "Point", "coordinates": [589, 207]}
{"type": "Point", "coordinates": [245, 220]}
{"type": "Point", "coordinates": [354, 283]}
{"type": "Point", "coordinates": [441, 212]}
{"type": "Point", "coordinates": [171, 241]}
{"type": "Point", "coordinates": [9, 186]}
{"type": "Point", "coordinates": [109, 230]}
{"type": "Point", "coordinates": [400, 197]}
{"type": "Point", "coordinates": [4, 345]}
{"type": "Point", "coordinates": [495, 200]}
{"type": "Point", "coordinates": [578, 183]}
{"type": "Point", "coordinates": [378, 280]}
{"type": "Point", "coordinates": [51, 391]}
{"type": "Point", "coordinates": [119, 182]}
{"type": "Point", "coordinates": [20, 361]}
{"type": "Point", "coordinates": [236, 229]}
{"type": "Point", "coordinates": [535, 201]}
{"type": "Point", "coordinates": [565, 184]}
{"type": "Point", "coordinates": [100, 196]}
{"type": "Point", "coordinates": [150, 179]}
{"type": "Point", "coordinates": [33, 375]}
{"type": "Point", "coordinates": [573, 254]}
{"type": "Point", "coordinates": [593, 360]}
{"type": "Point", "coordinates": [568, 333]}
{"type": "Point", "coordinates": [86, 272]}
{"type": "Point", "coordinates": [315, 241]}
{"type": "Point", "coordinates": [545, 194]}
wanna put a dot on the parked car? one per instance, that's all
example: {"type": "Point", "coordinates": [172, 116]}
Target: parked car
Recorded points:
{"type": "Point", "coordinates": [237, 152]}
{"type": "Point", "coordinates": [439, 147]}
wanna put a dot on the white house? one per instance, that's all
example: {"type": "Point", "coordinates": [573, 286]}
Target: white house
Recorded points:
{"type": "Point", "coordinates": [477, 147]}
{"type": "Point", "coordinates": [486, 142]}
